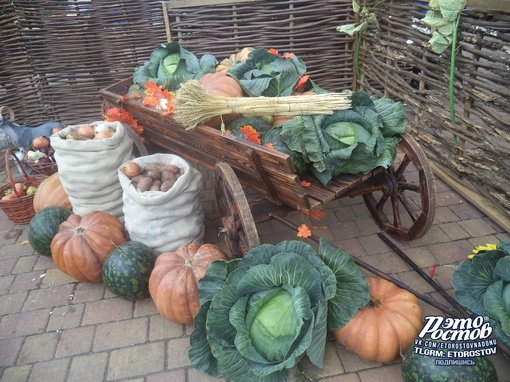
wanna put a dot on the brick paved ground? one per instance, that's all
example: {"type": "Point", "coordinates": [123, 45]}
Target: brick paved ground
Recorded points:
{"type": "Point", "coordinates": [53, 328]}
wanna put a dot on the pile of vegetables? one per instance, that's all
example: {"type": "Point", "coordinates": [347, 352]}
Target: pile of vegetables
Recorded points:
{"type": "Point", "coordinates": [20, 189]}
{"type": "Point", "coordinates": [261, 314]}
{"type": "Point", "coordinates": [482, 286]}
{"type": "Point", "coordinates": [85, 132]}
{"type": "Point", "coordinates": [153, 177]}
{"type": "Point", "coordinates": [41, 151]}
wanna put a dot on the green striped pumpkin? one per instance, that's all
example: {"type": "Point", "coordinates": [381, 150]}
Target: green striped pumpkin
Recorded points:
{"type": "Point", "coordinates": [44, 226]}
{"type": "Point", "coordinates": [127, 269]}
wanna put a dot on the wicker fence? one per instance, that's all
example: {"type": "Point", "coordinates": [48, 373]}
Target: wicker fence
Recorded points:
{"type": "Point", "coordinates": [473, 153]}
{"type": "Point", "coordinates": [57, 55]}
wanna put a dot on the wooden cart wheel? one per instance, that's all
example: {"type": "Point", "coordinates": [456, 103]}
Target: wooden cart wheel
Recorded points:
{"type": "Point", "coordinates": [6, 110]}
{"type": "Point", "coordinates": [238, 224]}
{"type": "Point", "coordinates": [404, 204]}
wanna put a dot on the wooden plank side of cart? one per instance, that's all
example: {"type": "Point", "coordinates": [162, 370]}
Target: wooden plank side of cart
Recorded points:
{"type": "Point", "coordinates": [208, 146]}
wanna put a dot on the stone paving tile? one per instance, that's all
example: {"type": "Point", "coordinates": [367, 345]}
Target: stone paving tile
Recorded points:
{"type": "Point", "coordinates": [121, 334]}
{"type": "Point", "coordinates": [38, 348]}
{"type": "Point", "coordinates": [113, 309]}
{"type": "Point", "coordinates": [178, 353]}
{"type": "Point", "coordinates": [383, 373]}
{"type": "Point", "coordinates": [55, 276]}
{"type": "Point", "coordinates": [16, 374]}
{"type": "Point", "coordinates": [75, 341]}
{"type": "Point", "coordinates": [66, 317]}
{"type": "Point", "coordinates": [88, 292]}
{"type": "Point", "coordinates": [6, 283]}
{"type": "Point", "coordinates": [24, 323]}
{"type": "Point", "coordinates": [49, 297]}
{"type": "Point", "coordinates": [136, 360]}
{"type": "Point", "coordinates": [88, 368]}
{"type": "Point", "coordinates": [12, 303]}
{"type": "Point", "coordinates": [7, 266]}
{"type": "Point", "coordinates": [27, 281]}
{"type": "Point", "coordinates": [174, 376]}
{"type": "Point", "coordinates": [24, 264]}
{"type": "Point", "coordinates": [9, 350]}
{"type": "Point", "coordinates": [161, 328]}
{"type": "Point", "coordinates": [54, 371]}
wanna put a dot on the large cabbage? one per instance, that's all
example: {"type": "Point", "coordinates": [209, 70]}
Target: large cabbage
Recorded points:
{"type": "Point", "coordinates": [170, 65]}
{"type": "Point", "coordinates": [482, 286]}
{"type": "Point", "coordinates": [351, 141]}
{"type": "Point", "coordinates": [259, 315]}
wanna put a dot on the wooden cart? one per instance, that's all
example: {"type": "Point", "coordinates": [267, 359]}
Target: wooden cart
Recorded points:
{"type": "Point", "coordinates": [401, 199]}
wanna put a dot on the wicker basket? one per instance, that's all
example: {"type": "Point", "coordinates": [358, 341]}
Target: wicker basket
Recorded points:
{"type": "Point", "coordinates": [40, 168]}
{"type": "Point", "coordinates": [19, 210]}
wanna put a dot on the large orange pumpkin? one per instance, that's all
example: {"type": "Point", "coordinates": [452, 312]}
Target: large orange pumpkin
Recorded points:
{"type": "Point", "coordinates": [221, 85]}
{"type": "Point", "coordinates": [82, 244]}
{"type": "Point", "coordinates": [51, 193]}
{"type": "Point", "coordinates": [173, 283]}
{"type": "Point", "coordinates": [386, 326]}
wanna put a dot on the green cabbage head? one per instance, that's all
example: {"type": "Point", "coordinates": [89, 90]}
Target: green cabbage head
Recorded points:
{"type": "Point", "coordinates": [261, 314]}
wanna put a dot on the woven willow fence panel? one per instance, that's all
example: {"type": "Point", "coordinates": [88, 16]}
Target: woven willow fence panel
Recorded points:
{"type": "Point", "coordinates": [305, 28]}
{"type": "Point", "coordinates": [396, 62]}
{"type": "Point", "coordinates": [57, 55]}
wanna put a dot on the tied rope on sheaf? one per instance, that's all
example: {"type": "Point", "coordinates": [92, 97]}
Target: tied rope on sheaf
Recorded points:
{"type": "Point", "coordinates": [193, 105]}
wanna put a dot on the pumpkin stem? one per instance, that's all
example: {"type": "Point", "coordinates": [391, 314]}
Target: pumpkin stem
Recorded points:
{"type": "Point", "coordinates": [374, 302]}
{"type": "Point", "coordinates": [79, 230]}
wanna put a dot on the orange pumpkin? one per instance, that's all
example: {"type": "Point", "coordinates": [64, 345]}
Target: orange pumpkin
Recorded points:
{"type": "Point", "coordinates": [227, 63]}
{"type": "Point", "coordinates": [386, 326]}
{"type": "Point", "coordinates": [51, 193]}
{"type": "Point", "coordinates": [82, 244]}
{"type": "Point", "coordinates": [221, 85]}
{"type": "Point", "coordinates": [173, 283]}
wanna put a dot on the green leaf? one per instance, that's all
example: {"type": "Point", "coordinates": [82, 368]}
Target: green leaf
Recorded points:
{"type": "Point", "coordinates": [439, 43]}
{"type": "Point", "coordinates": [471, 279]}
{"type": "Point", "coordinates": [496, 307]}
{"type": "Point", "coordinates": [502, 269]}
{"type": "Point", "coordinates": [352, 29]}
{"type": "Point", "coordinates": [351, 285]}
{"type": "Point", "coordinates": [267, 74]}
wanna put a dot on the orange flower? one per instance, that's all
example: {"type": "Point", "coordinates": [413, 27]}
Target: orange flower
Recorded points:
{"type": "Point", "coordinates": [269, 145]}
{"type": "Point", "coordinates": [158, 97]}
{"type": "Point", "coordinates": [304, 231]}
{"type": "Point", "coordinates": [304, 183]}
{"type": "Point", "coordinates": [273, 51]}
{"type": "Point", "coordinates": [317, 214]}
{"type": "Point", "coordinates": [251, 134]}
{"type": "Point", "coordinates": [301, 82]}
{"type": "Point", "coordinates": [115, 114]}
{"type": "Point", "coordinates": [288, 55]}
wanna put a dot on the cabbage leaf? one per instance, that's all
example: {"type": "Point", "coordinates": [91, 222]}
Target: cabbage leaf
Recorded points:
{"type": "Point", "coordinates": [170, 65]}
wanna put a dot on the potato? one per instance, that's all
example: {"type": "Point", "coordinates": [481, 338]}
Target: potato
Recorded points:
{"type": "Point", "coordinates": [171, 168]}
{"type": "Point", "coordinates": [167, 185]}
{"type": "Point", "coordinates": [152, 167]}
{"type": "Point", "coordinates": [156, 184]}
{"type": "Point", "coordinates": [154, 174]}
{"type": "Point", "coordinates": [167, 175]}
{"type": "Point", "coordinates": [136, 179]}
{"type": "Point", "coordinates": [145, 184]}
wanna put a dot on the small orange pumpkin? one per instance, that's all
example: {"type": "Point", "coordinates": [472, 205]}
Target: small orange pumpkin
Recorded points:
{"type": "Point", "coordinates": [222, 85]}
{"type": "Point", "coordinates": [228, 62]}
{"type": "Point", "coordinates": [386, 326]}
{"type": "Point", "coordinates": [51, 193]}
{"type": "Point", "coordinates": [82, 244]}
{"type": "Point", "coordinates": [173, 283]}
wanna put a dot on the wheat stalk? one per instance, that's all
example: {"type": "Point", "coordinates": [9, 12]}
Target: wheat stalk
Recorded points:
{"type": "Point", "coordinates": [193, 105]}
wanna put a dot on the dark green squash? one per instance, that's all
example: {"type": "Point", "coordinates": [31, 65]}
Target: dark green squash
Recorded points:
{"type": "Point", "coordinates": [418, 367]}
{"type": "Point", "coordinates": [44, 226]}
{"type": "Point", "coordinates": [127, 269]}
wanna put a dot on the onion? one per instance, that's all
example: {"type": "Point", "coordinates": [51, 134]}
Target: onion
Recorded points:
{"type": "Point", "coordinates": [86, 131]}
{"type": "Point", "coordinates": [103, 134]}
{"type": "Point", "coordinates": [40, 142]}
{"type": "Point", "coordinates": [131, 169]}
